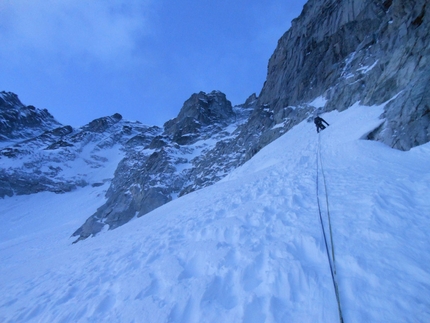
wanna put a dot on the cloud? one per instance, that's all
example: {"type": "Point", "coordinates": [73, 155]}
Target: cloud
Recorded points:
{"type": "Point", "coordinates": [99, 30]}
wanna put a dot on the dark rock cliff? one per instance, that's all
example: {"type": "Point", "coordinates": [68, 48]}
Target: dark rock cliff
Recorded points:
{"type": "Point", "coordinates": [356, 51]}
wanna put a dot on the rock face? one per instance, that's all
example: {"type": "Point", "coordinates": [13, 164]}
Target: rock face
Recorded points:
{"type": "Point", "coordinates": [335, 54]}
{"type": "Point", "coordinates": [356, 50]}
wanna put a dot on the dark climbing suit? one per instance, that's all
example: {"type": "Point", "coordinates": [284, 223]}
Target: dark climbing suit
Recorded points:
{"type": "Point", "coordinates": [319, 123]}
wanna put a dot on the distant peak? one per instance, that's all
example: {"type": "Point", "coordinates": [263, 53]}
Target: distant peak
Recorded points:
{"type": "Point", "coordinates": [20, 121]}
{"type": "Point", "coordinates": [103, 123]}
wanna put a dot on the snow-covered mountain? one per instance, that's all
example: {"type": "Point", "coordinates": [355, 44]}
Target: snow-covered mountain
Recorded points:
{"type": "Point", "coordinates": [232, 229]}
{"type": "Point", "coordinates": [148, 166]}
{"type": "Point", "coordinates": [187, 155]}
{"type": "Point", "coordinates": [48, 156]}
{"type": "Point", "coordinates": [249, 248]}
{"type": "Point", "coordinates": [335, 54]}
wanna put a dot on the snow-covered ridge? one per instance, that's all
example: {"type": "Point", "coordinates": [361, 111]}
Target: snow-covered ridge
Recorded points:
{"type": "Point", "coordinates": [61, 159]}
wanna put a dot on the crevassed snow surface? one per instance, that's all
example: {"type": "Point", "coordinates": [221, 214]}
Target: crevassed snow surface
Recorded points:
{"type": "Point", "coordinates": [247, 249]}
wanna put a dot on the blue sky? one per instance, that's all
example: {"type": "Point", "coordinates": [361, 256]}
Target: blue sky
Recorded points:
{"type": "Point", "coordinates": [85, 59]}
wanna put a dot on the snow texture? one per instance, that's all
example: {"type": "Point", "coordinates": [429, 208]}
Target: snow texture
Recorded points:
{"type": "Point", "coordinates": [246, 249]}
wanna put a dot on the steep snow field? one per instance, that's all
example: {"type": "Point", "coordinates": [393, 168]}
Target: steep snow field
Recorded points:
{"type": "Point", "coordinates": [247, 249]}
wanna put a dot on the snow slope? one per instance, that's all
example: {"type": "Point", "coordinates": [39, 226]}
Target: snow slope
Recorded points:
{"type": "Point", "coordinates": [247, 249]}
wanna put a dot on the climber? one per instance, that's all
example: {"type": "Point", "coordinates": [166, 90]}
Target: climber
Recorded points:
{"type": "Point", "coordinates": [319, 123]}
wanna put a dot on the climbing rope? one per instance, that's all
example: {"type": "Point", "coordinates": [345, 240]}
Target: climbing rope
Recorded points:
{"type": "Point", "coordinates": [327, 205]}
{"type": "Point", "coordinates": [331, 260]}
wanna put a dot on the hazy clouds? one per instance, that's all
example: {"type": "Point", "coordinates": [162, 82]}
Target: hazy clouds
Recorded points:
{"type": "Point", "coordinates": [83, 59]}
{"type": "Point", "coordinates": [102, 30]}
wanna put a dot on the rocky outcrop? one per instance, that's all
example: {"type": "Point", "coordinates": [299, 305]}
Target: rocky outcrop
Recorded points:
{"type": "Point", "coordinates": [102, 124]}
{"type": "Point", "coordinates": [200, 110]}
{"type": "Point", "coordinates": [402, 76]}
{"type": "Point", "coordinates": [19, 121]}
